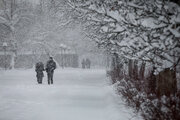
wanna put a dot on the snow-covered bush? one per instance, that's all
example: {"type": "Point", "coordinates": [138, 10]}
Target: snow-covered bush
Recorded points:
{"type": "Point", "coordinates": [141, 94]}
{"type": "Point", "coordinates": [151, 107]}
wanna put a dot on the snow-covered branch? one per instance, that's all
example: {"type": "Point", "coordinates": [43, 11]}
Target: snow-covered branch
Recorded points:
{"type": "Point", "coordinates": [142, 30]}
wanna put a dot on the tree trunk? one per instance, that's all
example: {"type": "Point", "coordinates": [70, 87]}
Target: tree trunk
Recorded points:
{"type": "Point", "coordinates": [130, 68]}
{"type": "Point", "coordinates": [166, 82]}
{"type": "Point", "coordinates": [135, 70]}
{"type": "Point", "coordinates": [152, 82]}
{"type": "Point", "coordinates": [142, 71]}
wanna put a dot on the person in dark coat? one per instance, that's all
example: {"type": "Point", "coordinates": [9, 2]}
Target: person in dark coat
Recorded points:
{"type": "Point", "coordinates": [50, 67]}
{"type": "Point", "coordinates": [88, 63]}
{"type": "Point", "coordinates": [83, 63]}
{"type": "Point", "coordinates": [39, 70]}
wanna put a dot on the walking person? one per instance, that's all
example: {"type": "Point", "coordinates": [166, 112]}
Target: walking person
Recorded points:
{"type": "Point", "coordinates": [39, 68]}
{"type": "Point", "coordinates": [88, 63]}
{"type": "Point", "coordinates": [83, 64]}
{"type": "Point", "coordinates": [50, 67]}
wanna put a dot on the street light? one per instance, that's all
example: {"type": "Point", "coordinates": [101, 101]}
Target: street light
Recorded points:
{"type": "Point", "coordinates": [63, 51]}
{"type": "Point", "coordinates": [4, 48]}
{"type": "Point", "coordinates": [68, 49]}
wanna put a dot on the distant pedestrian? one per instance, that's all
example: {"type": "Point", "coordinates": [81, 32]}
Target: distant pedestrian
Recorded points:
{"type": "Point", "coordinates": [83, 63]}
{"type": "Point", "coordinates": [88, 63]}
{"type": "Point", "coordinates": [50, 67]}
{"type": "Point", "coordinates": [39, 72]}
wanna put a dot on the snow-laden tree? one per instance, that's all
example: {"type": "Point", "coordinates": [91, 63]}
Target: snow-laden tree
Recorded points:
{"type": "Point", "coordinates": [14, 15]}
{"type": "Point", "coordinates": [134, 29]}
{"type": "Point", "coordinates": [52, 18]}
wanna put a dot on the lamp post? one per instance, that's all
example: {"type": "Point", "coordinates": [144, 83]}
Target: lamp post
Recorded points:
{"type": "Point", "coordinates": [5, 48]}
{"type": "Point", "coordinates": [65, 62]}
{"type": "Point", "coordinates": [14, 55]}
{"type": "Point", "coordinates": [62, 56]}
{"type": "Point", "coordinates": [69, 59]}
{"type": "Point", "coordinates": [63, 50]}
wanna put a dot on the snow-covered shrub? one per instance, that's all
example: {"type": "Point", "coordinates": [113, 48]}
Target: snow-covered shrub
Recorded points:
{"type": "Point", "coordinates": [141, 94]}
{"type": "Point", "coordinates": [165, 108]}
{"type": "Point", "coordinates": [151, 107]}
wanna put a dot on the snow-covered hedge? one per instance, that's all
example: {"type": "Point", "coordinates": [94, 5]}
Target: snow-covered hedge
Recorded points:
{"type": "Point", "coordinates": [151, 107]}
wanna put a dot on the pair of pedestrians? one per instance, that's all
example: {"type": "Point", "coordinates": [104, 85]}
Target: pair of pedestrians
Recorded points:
{"type": "Point", "coordinates": [86, 63]}
{"type": "Point", "coordinates": [50, 67]}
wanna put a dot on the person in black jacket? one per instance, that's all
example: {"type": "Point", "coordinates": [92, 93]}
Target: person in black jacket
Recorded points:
{"type": "Point", "coordinates": [50, 67]}
{"type": "Point", "coordinates": [39, 70]}
{"type": "Point", "coordinates": [88, 63]}
{"type": "Point", "coordinates": [83, 64]}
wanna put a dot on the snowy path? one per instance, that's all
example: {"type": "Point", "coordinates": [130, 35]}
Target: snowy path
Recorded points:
{"type": "Point", "coordinates": [76, 95]}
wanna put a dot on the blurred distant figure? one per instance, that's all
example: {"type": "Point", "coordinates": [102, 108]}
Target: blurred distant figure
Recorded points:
{"type": "Point", "coordinates": [88, 63]}
{"type": "Point", "coordinates": [50, 67]}
{"type": "Point", "coordinates": [83, 64]}
{"type": "Point", "coordinates": [39, 70]}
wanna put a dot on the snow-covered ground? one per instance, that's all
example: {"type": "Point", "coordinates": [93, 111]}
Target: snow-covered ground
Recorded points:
{"type": "Point", "coordinates": [76, 95]}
